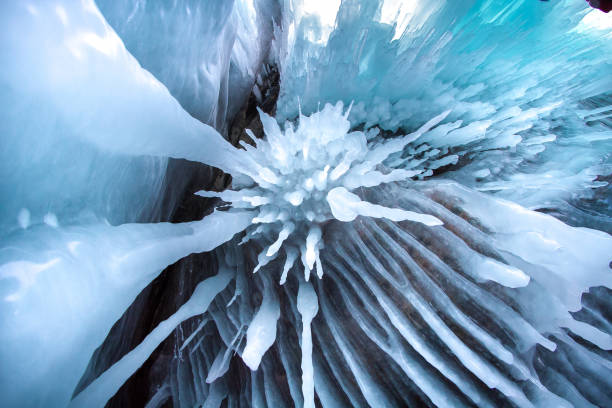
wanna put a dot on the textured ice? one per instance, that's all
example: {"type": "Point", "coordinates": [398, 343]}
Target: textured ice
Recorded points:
{"type": "Point", "coordinates": [105, 386]}
{"type": "Point", "coordinates": [59, 274]}
{"type": "Point", "coordinates": [208, 81]}
{"type": "Point", "coordinates": [410, 145]}
{"type": "Point", "coordinates": [301, 177]}
{"type": "Point", "coordinates": [503, 80]}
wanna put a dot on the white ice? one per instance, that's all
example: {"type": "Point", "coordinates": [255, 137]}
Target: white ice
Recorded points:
{"type": "Point", "coordinates": [108, 383]}
{"type": "Point", "coordinates": [64, 288]}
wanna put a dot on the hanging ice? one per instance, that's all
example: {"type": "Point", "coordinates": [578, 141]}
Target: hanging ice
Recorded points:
{"type": "Point", "coordinates": [301, 179]}
{"type": "Point", "coordinates": [402, 162]}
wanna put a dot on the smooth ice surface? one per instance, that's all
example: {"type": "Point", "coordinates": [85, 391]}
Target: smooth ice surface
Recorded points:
{"type": "Point", "coordinates": [261, 333]}
{"type": "Point", "coordinates": [63, 289]}
{"type": "Point", "coordinates": [65, 48]}
{"type": "Point", "coordinates": [108, 383]}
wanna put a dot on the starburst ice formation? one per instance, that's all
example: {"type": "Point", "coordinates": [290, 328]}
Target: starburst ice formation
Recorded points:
{"type": "Point", "coordinates": [433, 294]}
{"type": "Point", "coordinates": [304, 178]}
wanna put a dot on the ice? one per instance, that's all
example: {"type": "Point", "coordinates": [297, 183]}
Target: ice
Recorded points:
{"type": "Point", "coordinates": [468, 358]}
{"type": "Point", "coordinates": [63, 288]}
{"type": "Point", "coordinates": [82, 119]}
{"type": "Point", "coordinates": [372, 393]}
{"type": "Point", "coordinates": [346, 206]}
{"type": "Point", "coordinates": [308, 307]}
{"type": "Point", "coordinates": [543, 240]}
{"type": "Point", "coordinates": [502, 81]}
{"type": "Point", "coordinates": [291, 256]}
{"type": "Point", "coordinates": [410, 145]}
{"type": "Point", "coordinates": [23, 218]}
{"type": "Point", "coordinates": [493, 345]}
{"type": "Point", "coordinates": [221, 363]}
{"type": "Point", "coordinates": [312, 241]}
{"type": "Point", "coordinates": [108, 383]}
{"type": "Point", "coordinates": [436, 390]}
{"type": "Point", "coordinates": [482, 173]}
{"type": "Point", "coordinates": [64, 48]}
{"type": "Point", "coordinates": [503, 274]}
{"type": "Point", "coordinates": [211, 77]}
{"type": "Point", "coordinates": [364, 254]}
{"type": "Point", "coordinates": [301, 178]}
{"type": "Point", "coordinates": [261, 333]}
{"type": "Point", "coordinates": [445, 161]}
{"type": "Point", "coordinates": [282, 236]}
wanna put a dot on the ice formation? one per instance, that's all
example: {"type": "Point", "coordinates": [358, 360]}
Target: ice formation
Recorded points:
{"type": "Point", "coordinates": [378, 244]}
{"type": "Point", "coordinates": [303, 179]}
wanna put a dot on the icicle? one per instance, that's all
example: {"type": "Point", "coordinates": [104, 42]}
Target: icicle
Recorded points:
{"type": "Point", "coordinates": [346, 206]}
{"type": "Point", "coordinates": [314, 235]}
{"type": "Point", "coordinates": [282, 236]}
{"type": "Point", "coordinates": [221, 362]}
{"type": "Point", "coordinates": [291, 254]}
{"type": "Point", "coordinates": [262, 329]}
{"type": "Point", "coordinates": [188, 340]}
{"type": "Point", "coordinates": [308, 307]}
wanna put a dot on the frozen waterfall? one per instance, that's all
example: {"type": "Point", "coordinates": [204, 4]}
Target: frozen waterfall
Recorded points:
{"type": "Point", "coordinates": [278, 203]}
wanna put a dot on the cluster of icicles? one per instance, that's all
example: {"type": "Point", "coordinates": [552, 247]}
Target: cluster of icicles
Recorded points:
{"type": "Point", "coordinates": [305, 177]}
{"type": "Point", "coordinates": [308, 177]}
{"type": "Point", "coordinates": [435, 295]}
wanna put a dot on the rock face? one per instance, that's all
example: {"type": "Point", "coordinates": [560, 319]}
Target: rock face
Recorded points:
{"type": "Point", "coordinates": [603, 5]}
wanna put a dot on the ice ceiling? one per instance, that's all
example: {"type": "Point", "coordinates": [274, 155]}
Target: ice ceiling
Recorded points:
{"type": "Point", "coordinates": [419, 216]}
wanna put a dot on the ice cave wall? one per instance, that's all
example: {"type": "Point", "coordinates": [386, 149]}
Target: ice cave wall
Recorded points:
{"type": "Point", "coordinates": [99, 100]}
{"type": "Point", "coordinates": [75, 159]}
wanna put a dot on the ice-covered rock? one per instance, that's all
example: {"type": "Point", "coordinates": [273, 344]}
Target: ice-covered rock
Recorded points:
{"type": "Point", "coordinates": [429, 291]}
